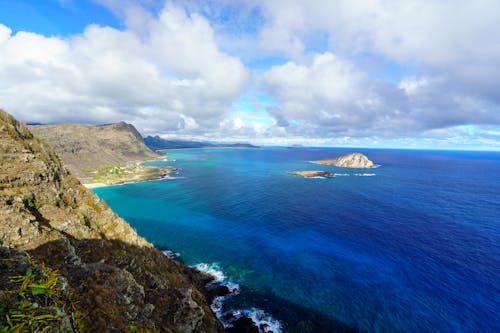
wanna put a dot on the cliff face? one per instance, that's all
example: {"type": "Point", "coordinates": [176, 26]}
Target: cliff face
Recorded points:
{"type": "Point", "coordinates": [86, 148]}
{"type": "Point", "coordinates": [97, 274]}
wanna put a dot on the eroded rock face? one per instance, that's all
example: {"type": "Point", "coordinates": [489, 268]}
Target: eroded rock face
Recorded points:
{"type": "Point", "coordinates": [86, 148]}
{"type": "Point", "coordinates": [349, 160]}
{"type": "Point", "coordinates": [117, 280]}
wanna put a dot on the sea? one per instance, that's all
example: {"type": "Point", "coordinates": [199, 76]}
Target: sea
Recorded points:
{"type": "Point", "coordinates": [412, 245]}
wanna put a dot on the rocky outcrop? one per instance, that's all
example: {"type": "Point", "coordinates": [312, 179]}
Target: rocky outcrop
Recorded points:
{"type": "Point", "coordinates": [349, 160]}
{"type": "Point", "coordinates": [87, 149]}
{"type": "Point", "coordinates": [312, 173]}
{"type": "Point", "coordinates": [69, 264]}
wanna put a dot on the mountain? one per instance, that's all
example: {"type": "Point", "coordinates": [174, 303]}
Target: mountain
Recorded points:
{"type": "Point", "coordinates": [85, 149]}
{"type": "Point", "coordinates": [69, 264]}
{"type": "Point", "coordinates": [155, 142]}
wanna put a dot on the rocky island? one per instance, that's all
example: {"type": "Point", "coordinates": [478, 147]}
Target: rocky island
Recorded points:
{"type": "Point", "coordinates": [102, 154]}
{"type": "Point", "coordinates": [69, 264]}
{"type": "Point", "coordinates": [348, 160]}
{"type": "Point", "coordinates": [312, 173]}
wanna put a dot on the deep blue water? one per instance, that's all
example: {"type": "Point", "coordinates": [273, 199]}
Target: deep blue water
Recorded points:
{"type": "Point", "coordinates": [413, 248]}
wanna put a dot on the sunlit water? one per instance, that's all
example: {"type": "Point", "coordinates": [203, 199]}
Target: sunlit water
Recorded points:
{"type": "Point", "coordinates": [411, 246]}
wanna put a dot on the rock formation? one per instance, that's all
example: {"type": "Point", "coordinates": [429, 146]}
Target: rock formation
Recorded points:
{"type": "Point", "coordinates": [312, 173]}
{"type": "Point", "coordinates": [69, 264]}
{"type": "Point", "coordinates": [84, 149]}
{"type": "Point", "coordinates": [349, 160]}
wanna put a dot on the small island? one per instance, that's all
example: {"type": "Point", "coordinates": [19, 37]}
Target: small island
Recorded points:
{"type": "Point", "coordinates": [349, 160]}
{"type": "Point", "coordinates": [312, 173]}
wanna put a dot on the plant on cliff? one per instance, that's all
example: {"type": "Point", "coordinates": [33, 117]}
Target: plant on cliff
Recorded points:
{"type": "Point", "coordinates": [31, 204]}
{"type": "Point", "coordinates": [37, 300]}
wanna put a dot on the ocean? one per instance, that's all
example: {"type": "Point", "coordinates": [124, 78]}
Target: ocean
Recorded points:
{"type": "Point", "coordinates": [410, 246]}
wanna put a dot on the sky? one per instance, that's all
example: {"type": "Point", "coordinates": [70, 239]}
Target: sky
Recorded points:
{"type": "Point", "coordinates": [357, 73]}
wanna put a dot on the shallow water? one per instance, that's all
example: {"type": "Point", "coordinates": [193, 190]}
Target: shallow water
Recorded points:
{"type": "Point", "coordinates": [413, 245]}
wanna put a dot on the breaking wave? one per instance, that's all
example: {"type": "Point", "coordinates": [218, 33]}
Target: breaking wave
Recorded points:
{"type": "Point", "coordinates": [264, 321]}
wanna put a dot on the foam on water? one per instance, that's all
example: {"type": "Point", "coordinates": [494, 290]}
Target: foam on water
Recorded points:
{"type": "Point", "coordinates": [264, 321]}
{"type": "Point", "coordinates": [213, 270]}
{"type": "Point", "coordinates": [171, 254]}
{"type": "Point", "coordinates": [169, 177]}
{"type": "Point", "coordinates": [355, 174]}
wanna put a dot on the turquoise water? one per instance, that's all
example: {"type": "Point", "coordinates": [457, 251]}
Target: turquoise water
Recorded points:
{"type": "Point", "coordinates": [411, 246]}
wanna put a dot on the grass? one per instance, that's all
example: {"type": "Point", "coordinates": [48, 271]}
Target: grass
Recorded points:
{"type": "Point", "coordinates": [38, 302]}
{"type": "Point", "coordinates": [109, 174]}
{"type": "Point", "coordinates": [31, 204]}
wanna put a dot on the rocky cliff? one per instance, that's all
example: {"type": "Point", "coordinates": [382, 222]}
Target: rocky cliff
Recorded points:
{"type": "Point", "coordinates": [69, 264]}
{"type": "Point", "coordinates": [349, 160]}
{"type": "Point", "coordinates": [86, 148]}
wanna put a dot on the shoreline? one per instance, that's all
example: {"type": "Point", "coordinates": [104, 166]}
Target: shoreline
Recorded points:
{"type": "Point", "coordinates": [94, 185]}
{"type": "Point", "coordinates": [132, 181]}
{"type": "Point", "coordinates": [142, 173]}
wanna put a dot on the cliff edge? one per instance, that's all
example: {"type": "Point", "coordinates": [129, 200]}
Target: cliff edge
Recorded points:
{"type": "Point", "coordinates": [69, 264]}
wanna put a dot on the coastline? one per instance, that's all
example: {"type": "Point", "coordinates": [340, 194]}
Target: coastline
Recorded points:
{"type": "Point", "coordinates": [133, 172]}
{"type": "Point", "coordinates": [94, 185]}
{"type": "Point", "coordinates": [97, 185]}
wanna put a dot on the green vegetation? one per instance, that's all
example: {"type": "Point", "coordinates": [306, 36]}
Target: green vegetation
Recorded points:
{"type": "Point", "coordinates": [31, 204]}
{"type": "Point", "coordinates": [37, 302]}
{"type": "Point", "coordinates": [134, 171]}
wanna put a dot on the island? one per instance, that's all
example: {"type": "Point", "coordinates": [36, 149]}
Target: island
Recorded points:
{"type": "Point", "coordinates": [312, 173]}
{"type": "Point", "coordinates": [348, 160]}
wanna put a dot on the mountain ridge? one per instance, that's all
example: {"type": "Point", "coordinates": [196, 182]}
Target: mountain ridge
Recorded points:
{"type": "Point", "coordinates": [157, 143]}
{"type": "Point", "coordinates": [85, 149]}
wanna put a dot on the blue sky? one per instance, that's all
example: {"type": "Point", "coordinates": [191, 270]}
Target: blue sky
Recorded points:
{"type": "Point", "coordinates": [341, 73]}
{"type": "Point", "coordinates": [53, 17]}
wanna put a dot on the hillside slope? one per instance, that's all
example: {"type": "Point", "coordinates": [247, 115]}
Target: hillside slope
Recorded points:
{"type": "Point", "coordinates": [69, 264]}
{"type": "Point", "coordinates": [86, 148]}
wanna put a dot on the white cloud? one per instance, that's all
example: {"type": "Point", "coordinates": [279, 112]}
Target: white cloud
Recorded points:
{"type": "Point", "coordinates": [412, 85]}
{"type": "Point", "coordinates": [238, 123]}
{"type": "Point", "coordinates": [452, 48]}
{"type": "Point", "coordinates": [329, 92]}
{"type": "Point", "coordinates": [432, 32]}
{"type": "Point", "coordinates": [331, 97]}
{"type": "Point", "coordinates": [166, 71]}
{"type": "Point", "coordinates": [174, 77]}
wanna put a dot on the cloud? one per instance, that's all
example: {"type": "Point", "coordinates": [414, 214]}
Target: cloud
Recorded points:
{"type": "Point", "coordinates": [329, 94]}
{"type": "Point", "coordinates": [431, 32]}
{"type": "Point", "coordinates": [450, 48]}
{"type": "Point", "coordinates": [331, 97]}
{"type": "Point", "coordinates": [314, 70]}
{"type": "Point", "coordinates": [171, 75]}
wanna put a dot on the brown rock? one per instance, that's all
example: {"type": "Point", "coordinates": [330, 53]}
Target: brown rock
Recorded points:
{"type": "Point", "coordinates": [349, 160]}
{"type": "Point", "coordinates": [312, 173]}
{"type": "Point", "coordinates": [108, 278]}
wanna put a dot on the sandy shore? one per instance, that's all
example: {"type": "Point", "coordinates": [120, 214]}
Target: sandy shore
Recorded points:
{"type": "Point", "coordinates": [94, 185]}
